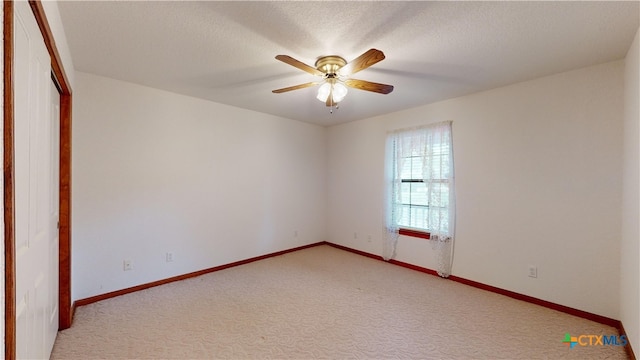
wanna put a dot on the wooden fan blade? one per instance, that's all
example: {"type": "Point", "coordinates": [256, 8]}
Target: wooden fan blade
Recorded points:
{"type": "Point", "coordinates": [296, 87]}
{"type": "Point", "coordinates": [300, 65]}
{"type": "Point", "coordinates": [369, 86]}
{"type": "Point", "coordinates": [362, 62]}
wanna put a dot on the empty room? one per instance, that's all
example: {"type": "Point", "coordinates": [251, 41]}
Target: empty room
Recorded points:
{"type": "Point", "coordinates": [321, 179]}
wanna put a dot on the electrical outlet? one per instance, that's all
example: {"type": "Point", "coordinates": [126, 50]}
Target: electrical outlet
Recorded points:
{"type": "Point", "coordinates": [295, 233]}
{"type": "Point", "coordinates": [127, 265]}
{"type": "Point", "coordinates": [355, 235]}
{"type": "Point", "coordinates": [169, 257]}
{"type": "Point", "coordinates": [533, 271]}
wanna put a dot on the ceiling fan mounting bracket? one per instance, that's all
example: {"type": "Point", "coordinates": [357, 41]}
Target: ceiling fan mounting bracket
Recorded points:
{"type": "Point", "coordinates": [330, 64]}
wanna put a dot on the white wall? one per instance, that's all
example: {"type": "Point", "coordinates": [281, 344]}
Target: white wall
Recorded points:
{"type": "Point", "coordinates": [630, 245]}
{"type": "Point", "coordinates": [538, 179]}
{"type": "Point", "coordinates": [157, 172]}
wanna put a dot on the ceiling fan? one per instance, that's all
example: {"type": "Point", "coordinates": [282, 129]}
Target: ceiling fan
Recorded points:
{"type": "Point", "coordinates": [335, 73]}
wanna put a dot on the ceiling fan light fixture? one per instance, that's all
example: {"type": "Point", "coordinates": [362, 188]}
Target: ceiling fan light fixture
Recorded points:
{"type": "Point", "coordinates": [334, 89]}
{"type": "Point", "coordinates": [335, 73]}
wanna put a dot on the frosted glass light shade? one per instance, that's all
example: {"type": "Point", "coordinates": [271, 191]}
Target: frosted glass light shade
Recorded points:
{"type": "Point", "coordinates": [323, 92]}
{"type": "Point", "coordinates": [339, 92]}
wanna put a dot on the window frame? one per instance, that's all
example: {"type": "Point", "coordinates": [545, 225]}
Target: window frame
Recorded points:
{"type": "Point", "coordinates": [417, 233]}
{"type": "Point", "coordinates": [411, 231]}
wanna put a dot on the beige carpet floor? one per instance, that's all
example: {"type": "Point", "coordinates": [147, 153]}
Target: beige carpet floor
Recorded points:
{"type": "Point", "coordinates": [323, 303]}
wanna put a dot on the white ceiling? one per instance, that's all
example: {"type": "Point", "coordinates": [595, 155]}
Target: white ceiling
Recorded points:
{"type": "Point", "coordinates": [224, 51]}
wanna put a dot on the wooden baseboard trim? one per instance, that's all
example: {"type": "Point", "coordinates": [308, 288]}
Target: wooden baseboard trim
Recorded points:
{"type": "Point", "coordinates": [392, 261]}
{"type": "Point", "coordinates": [565, 309]}
{"type": "Point", "coordinates": [363, 253]}
{"type": "Point", "coordinates": [627, 348]}
{"type": "Point", "coordinates": [72, 313]}
{"type": "Point", "coordinates": [530, 299]}
{"type": "Point", "coordinates": [93, 299]}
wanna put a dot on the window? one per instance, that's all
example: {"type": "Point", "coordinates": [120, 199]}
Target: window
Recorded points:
{"type": "Point", "coordinates": [420, 164]}
{"type": "Point", "coordinates": [418, 197]}
{"type": "Point", "coordinates": [420, 192]}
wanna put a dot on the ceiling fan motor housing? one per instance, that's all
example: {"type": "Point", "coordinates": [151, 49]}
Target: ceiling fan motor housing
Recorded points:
{"type": "Point", "coordinates": [330, 64]}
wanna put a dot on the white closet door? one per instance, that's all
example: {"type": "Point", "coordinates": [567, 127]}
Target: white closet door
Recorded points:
{"type": "Point", "coordinates": [33, 188]}
{"type": "Point", "coordinates": [54, 219]}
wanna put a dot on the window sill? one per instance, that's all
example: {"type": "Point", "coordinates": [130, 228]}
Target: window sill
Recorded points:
{"type": "Point", "coordinates": [415, 233]}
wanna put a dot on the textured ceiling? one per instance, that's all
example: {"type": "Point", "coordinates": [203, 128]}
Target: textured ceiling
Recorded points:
{"type": "Point", "coordinates": [224, 51]}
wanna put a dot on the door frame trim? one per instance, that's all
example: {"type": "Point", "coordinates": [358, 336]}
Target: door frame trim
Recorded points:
{"type": "Point", "coordinates": [9, 237]}
{"type": "Point", "coordinates": [65, 305]}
